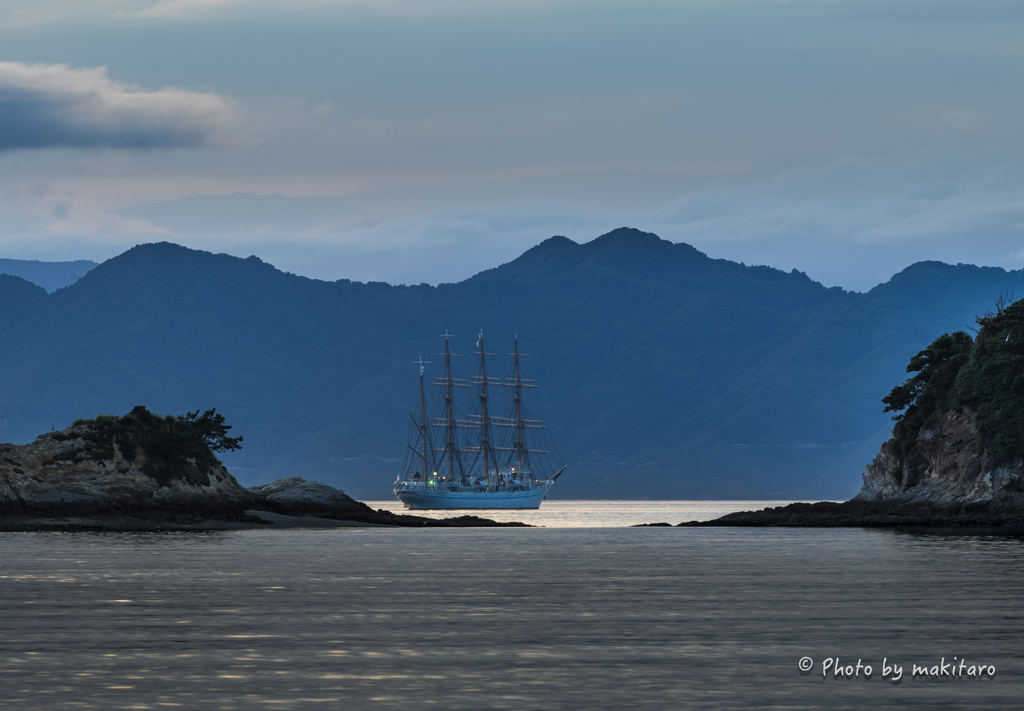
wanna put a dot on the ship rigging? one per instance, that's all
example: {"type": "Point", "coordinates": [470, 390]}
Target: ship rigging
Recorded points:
{"type": "Point", "coordinates": [472, 457]}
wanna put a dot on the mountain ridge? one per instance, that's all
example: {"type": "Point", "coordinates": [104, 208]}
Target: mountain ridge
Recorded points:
{"type": "Point", "coordinates": [682, 376]}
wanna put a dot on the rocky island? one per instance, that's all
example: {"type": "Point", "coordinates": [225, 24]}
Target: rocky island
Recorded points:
{"type": "Point", "coordinates": [956, 457]}
{"type": "Point", "coordinates": [147, 472]}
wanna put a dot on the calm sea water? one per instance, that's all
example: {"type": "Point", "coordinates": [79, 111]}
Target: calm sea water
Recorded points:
{"type": "Point", "coordinates": [544, 618]}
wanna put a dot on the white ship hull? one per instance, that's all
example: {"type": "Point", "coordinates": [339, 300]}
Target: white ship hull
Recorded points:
{"type": "Point", "coordinates": [432, 499]}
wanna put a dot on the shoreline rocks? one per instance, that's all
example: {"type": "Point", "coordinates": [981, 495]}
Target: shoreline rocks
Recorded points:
{"type": "Point", "coordinates": [295, 496]}
{"type": "Point", "coordinates": [860, 514]}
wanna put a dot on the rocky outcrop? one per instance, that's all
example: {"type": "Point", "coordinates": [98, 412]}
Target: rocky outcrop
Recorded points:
{"type": "Point", "coordinates": [953, 463]}
{"type": "Point", "coordinates": [297, 497]}
{"type": "Point", "coordinates": [59, 475]}
{"type": "Point", "coordinates": [872, 514]}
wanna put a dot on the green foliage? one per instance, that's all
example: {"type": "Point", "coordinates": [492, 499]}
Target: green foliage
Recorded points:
{"type": "Point", "coordinates": [992, 381]}
{"type": "Point", "coordinates": [920, 397]}
{"type": "Point", "coordinates": [176, 447]}
{"type": "Point", "coordinates": [985, 373]}
{"type": "Point", "coordinates": [210, 426]}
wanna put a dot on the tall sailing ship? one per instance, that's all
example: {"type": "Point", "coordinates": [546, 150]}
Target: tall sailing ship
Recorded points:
{"type": "Point", "coordinates": [463, 456]}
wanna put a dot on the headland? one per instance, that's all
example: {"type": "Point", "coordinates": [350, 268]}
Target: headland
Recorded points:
{"type": "Point", "coordinates": [956, 456]}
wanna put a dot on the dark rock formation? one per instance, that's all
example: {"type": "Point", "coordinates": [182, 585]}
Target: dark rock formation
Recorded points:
{"type": "Point", "coordinates": [953, 464]}
{"type": "Point", "coordinates": [870, 514]}
{"type": "Point", "coordinates": [297, 497]}
{"type": "Point", "coordinates": [57, 475]}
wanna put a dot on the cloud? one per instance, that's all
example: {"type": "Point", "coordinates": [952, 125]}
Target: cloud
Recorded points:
{"type": "Point", "coordinates": [48, 208]}
{"type": "Point", "coordinates": [198, 9]}
{"type": "Point", "coordinates": [54, 105]}
{"type": "Point", "coordinates": [852, 222]}
{"type": "Point", "coordinates": [178, 9]}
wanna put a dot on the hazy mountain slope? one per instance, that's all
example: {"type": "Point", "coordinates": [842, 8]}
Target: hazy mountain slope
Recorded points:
{"type": "Point", "coordinates": [813, 402]}
{"type": "Point", "coordinates": [664, 373]}
{"type": "Point", "coordinates": [19, 299]}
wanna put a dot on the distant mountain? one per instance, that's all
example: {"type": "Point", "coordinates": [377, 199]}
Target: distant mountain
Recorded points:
{"type": "Point", "coordinates": [49, 275]}
{"type": "Point", "coordinates": [663, 373]}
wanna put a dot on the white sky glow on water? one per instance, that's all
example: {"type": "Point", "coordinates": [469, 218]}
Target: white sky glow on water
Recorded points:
{"type": "Point", "coordinates": [598, 514]}
{"type": "Point", "coordinates": [413, 142]}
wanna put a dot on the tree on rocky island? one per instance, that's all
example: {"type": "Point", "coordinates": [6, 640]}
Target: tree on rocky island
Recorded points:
{"type": "Point", "coordinates": [992, 380]}
{"type": "Point", "coordinates": [210, 426]}
{"type": "Point", "coordinates": [174, 446]}
{"type": "Point", "coordinates": [921, 396]}
{"type": "Point", "coordinates": [985, 373]}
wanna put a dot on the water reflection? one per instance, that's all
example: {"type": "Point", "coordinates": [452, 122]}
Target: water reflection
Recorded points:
{"type": "Point", "coordinates": [599, 514]}
{"type": "Point", "coordinates": [518, 619]}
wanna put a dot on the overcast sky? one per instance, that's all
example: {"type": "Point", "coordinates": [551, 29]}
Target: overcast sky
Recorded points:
{"type": "Point", "coordinates": [424, 140]}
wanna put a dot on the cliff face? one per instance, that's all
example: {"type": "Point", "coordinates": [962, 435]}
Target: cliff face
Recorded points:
{"type": "Point", "coordinates": [55, 476]}
{"type": "Point", "coordinates": [952, 462]}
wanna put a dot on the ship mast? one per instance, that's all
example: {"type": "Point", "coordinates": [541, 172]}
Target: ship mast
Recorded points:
{"type": "Point", "coordinates": [519, 421]}
{"type": "Point", "coordinates": [521, 451]}
{"type": "Point", "coordinates": [486, 450]}
{"type": "Point", "coordinates": [451, 447]}
{"type": "Point", "coordinates": [423, 416]}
